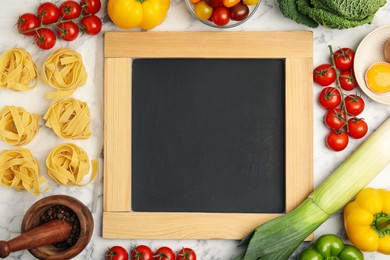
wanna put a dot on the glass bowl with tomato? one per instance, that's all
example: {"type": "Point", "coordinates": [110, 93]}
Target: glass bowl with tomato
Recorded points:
{"type": "Point", "coordinates": [222, 14]}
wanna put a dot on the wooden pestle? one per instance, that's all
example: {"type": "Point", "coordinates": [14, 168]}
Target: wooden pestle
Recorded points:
{"type": "Point", "coordinates": [49, 233]}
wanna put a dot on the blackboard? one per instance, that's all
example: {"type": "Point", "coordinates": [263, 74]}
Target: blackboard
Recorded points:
{"type": "Point", "coordinates": [208, 135]}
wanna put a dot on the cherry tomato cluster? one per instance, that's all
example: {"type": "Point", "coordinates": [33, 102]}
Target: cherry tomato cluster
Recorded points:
{"type": "Point", "coordinates": [342, 109]}
{"type": "Point", "coordinates": [67, 21]}
{"type": "Point", "coordinates": [222, 11]}
{"type": "Point", "coordinates": [143, 252]}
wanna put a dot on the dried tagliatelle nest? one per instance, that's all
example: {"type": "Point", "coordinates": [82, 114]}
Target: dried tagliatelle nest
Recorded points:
{"type": "Point", "coordinates": [68, 164]}
{"type": "Point", "coordinates": [69, 118]}
{"type": "Point", "coordinates": [17, 126]}
{"type": "Point", "coordinates": [19, 170]}
{"type": "Point", "coordinates": [64, 70]}
{"type": "Point", "coordinates": [18, 70]}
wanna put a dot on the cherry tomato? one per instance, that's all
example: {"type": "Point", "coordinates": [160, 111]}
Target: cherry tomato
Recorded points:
{"type": "Point", "coordinates": [68, 31]}
{"type": "Point", "coordinates": [354, 104]}
{"type": "Point", "coordinates": [195, 1]}
{"type": "Point", "coordinates": [186, 254]}
{"type": "Point", "coordinates": [117, 253]}
{"type": "Point", "coordinates": [347, 80]}
{"type": "Point", "coordinates": [214, 3]}
{"type": "Point", "coordinates": [164, 253]}
{"type": "Point", "coordinates": [324, 75]}
{"type": "Point", "coordinates": [91, 24]}
{"type": "Point", "coordinates": [45, 38]}
{"type": "Point", "coordinates": [70, 10]}
{"type": "Point", "coordinates": [203, 10]}
{"type": "Point", "coordinates": [221, 16]}
{"type": "Point", "coordinates": [357, 128]}
{"type": "Point", "coordinates": [329, 98]}
{"type": "Point", "coordinates": [90, 6]}
{"type": "Point", "coordinates": [239, 12]}
{"type": "Point", "coordinates": [48, 13]}
{"type": "Point", "coordinates": [142, 252]}
{"type": "Point", "coordinates": [27, 22]}
{"type": "Point", "coordinates": [337, 141]}
{"type": "Point", "coordinates": [230, 3]}
{"type": "Point", "coordinates": [344, 58]}
{"type": "Point", "coordinates": [335, 119]}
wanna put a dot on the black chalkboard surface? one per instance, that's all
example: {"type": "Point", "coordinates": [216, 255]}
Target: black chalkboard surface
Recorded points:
{"type": "Point", "coordinates": [208, 135]}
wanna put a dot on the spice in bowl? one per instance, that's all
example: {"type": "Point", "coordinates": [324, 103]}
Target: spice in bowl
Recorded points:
{"type": "Point", "coordinates": [66, 214]}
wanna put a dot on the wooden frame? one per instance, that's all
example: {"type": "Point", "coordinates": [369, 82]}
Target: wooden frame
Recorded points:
{"type": "Point", "coordinates": [121, 47]}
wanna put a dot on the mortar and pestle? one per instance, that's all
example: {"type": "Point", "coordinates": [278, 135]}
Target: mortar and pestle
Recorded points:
{"type": "Point", "coordinates": [46, 240]}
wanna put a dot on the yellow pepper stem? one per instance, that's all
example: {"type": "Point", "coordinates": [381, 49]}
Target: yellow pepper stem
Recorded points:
{"type": "Point", "coordinates": [381, 224]}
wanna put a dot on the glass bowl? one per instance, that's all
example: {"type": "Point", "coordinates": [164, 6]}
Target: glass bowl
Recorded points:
{"type": "Point", "coordinates": [231, 24]}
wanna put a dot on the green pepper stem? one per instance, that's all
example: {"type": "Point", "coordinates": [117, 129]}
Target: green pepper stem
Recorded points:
{"type": "Point", "coordinates": [381, 224]}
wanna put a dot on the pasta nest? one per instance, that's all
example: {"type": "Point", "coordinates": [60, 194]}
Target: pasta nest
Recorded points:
{"type": "Point", "coordinates": [18, 70]}
{"type": "Point", "coordinates": [17, 126]}
{"type": "Point", "coordinates": [64, 70]}
{"type": "Point", "coordinates": [68, 164]}
{"type": "Point", "coordinates": [69, 118]}
{"type": "Point", "coordinates": [19, 170]}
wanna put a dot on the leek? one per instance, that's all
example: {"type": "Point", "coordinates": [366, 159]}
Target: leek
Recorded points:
{"type": "Point", "coordinates": [278, 238]}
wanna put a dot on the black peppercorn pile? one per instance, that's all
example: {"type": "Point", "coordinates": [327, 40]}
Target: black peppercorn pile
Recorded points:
{"type": "Point", "coordinates": [62, 212]}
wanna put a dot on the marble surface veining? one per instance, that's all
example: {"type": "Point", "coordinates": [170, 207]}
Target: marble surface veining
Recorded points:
{"type": "Point", "coordinates": [267, 18]}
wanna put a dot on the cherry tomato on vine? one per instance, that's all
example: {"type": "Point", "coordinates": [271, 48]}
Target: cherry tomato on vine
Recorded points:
{"type": "Point", "coordinates": [203, 10]}
{"type": "Point", "coordinates": [45, 38]}
{"type": "Point", "coordinates": [164, 253]}
{"type": "Point", "coordinates": [27, 22]}
{"type": "Point", "coordinates": [354, 104]}
{"type": "Point", "coordinates": [344, 58]}
{"type": "Point", "coordinates": [230, 3]}
{"type": "Point", "coordinates": [337, 141]}
{"type": "Point", "coordinates": [348, 80]}
{"type": "Point", "coordinates": [357, 128]}
{"type": "Point", "coordinates": [117, 253]}
{"type": "Point", "coordinates": [91, 24]}
{"type": "Point", "coordinates": [221, 16]}
{"type": "Point", "coordinates": [186, 254]}
{"type": "Point", "coordinates": [214, 3]}
{"type": "Point", "coordinates": [142, 252]}
{"type": "Point", "coordinates": [324, 75]}
{"type": "Point", "coordinates": [335, 119]}
{"type": "Point", "coordinates": [90, 6]}
{"type": "Point", "coordinates": [48, 13]}
{"type": "Point", "coordinates": [68, 31]}
{"type": "Point", "coordinates": [70, 10]}
{"type": "Point", "coordinates": [239, 12]}
{"type": "Point", "coordinates": [329, 98]}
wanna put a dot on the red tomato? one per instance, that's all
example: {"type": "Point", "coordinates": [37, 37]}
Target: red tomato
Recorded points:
{"type": "Point", "coordinates": [324, 75]}
{"type": "Point", "coordinates": [344, 58]}
{"type": "Point", "coordinates": [214, 3]}
{"type": "Point", "coordinates": [142, 252]}
{"type": "Point", "coordinates": [337, 141]}
{"type": "Point", "coordinates": [90, 6]}
{"type": "Point", "coordinates": [70, 10]}
{"type": "Point", "coordinates": [164, 253]}
{"type": "Point", "coordinates": [239, 12]}
{"type": "Point", "coordinates": [45, 38]}
{"type": "Point", "coordinates": [329, 98]}
{"type": "Point", "coordinates": [347, 80]}
{"type": "Point", "coordinates": [335, 119]}
{"type": "Point", "coordinates": [221, 16]}
{"type": "Point", "coordinates": [27, 22]}
{"type": "Point", "coordinates": [68, 31]}
{"type": "Point", "coordinates": [117, 253]}
{"type": "Point", "coordinates": [91, 24]}
{"type": "Point", "coordinates": [354, 104]}
{"type": "Point", "coordinates": [357, 128]}
{"type": "Point", "coordinates": [186, 254]}
{"type": "Point", "coordinates": [48, 13]}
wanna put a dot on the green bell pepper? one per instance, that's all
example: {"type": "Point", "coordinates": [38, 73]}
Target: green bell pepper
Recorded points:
{"type": "Point", "coordinates": [331, 247]}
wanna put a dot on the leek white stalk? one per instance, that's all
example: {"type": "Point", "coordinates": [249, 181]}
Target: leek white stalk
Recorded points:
{"type": "Point", "coordinates": [278, 238]}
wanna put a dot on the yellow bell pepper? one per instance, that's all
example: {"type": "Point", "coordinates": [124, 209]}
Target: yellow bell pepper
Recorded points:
{"type": "Point", "coordinates": [146, 14]}
{"type": "Point", "coordinates": [367, 220]}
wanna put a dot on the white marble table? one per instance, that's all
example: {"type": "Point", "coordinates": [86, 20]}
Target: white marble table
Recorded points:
{"type": "Point", "coordinates": [268, 18]}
